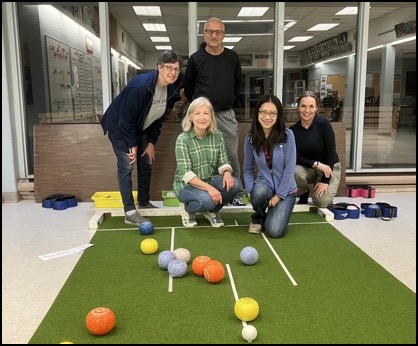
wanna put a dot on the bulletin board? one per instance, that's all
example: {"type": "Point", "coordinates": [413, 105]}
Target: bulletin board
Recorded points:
{"type": "Point", "coordinates": [59, 73]}
{"type": "Point", "coordinates": [97, 85]}
{"type": "Point", "coordinates": [81, 64]}
{"type": "Point", "coordinates": [338, 84]}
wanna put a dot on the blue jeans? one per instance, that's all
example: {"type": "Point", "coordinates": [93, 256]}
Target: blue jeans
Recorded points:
{"type": "Point", "coordinates": [144, 170]}
{"type": "Point", "coordinates": [276, 219]}
{"type": "Point", "coordinates": [197, 200]}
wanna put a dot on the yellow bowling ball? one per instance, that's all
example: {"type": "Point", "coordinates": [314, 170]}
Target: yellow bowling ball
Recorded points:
{"type": "Point", "coordinates": [149, 246]}
{"type": "Point", "coordinates": [246, 309]}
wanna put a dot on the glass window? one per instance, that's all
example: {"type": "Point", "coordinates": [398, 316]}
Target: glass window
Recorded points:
{"type": "Point", "coordinates": [389, 136]}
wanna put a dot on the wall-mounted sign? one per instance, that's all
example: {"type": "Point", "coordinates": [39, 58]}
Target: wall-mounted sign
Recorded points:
{"type": "Point", "coordinates": [403, 29]}
{"type": "Point", "coordinates": [328, 49]}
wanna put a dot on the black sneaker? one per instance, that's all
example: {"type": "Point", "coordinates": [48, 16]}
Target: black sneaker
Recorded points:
{"type": "Point", "coordinates": [148, 206]}
{"type": "Point", "coordinates": [237, 202]}
{"type": "Point", "coordinates": [304, 198]}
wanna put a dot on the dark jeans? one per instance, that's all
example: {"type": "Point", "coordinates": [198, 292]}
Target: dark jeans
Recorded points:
{"type": "Point", "coordinates": [276, 219]}
{"type": "Point", "coordinates": [144, 171]}
{"type": "Point", "coordinates": [198, 200]}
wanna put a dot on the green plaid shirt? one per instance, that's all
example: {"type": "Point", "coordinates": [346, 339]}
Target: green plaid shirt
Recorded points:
{"type": "Point", "coordinates": [204, 158]}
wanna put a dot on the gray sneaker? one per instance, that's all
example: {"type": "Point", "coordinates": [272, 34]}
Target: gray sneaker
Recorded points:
{"type": "Point", "coordinates": [255, 228]}
{"type": "Point", "coordinates": [214, 219]}
{"type": "Point", "coordinates": [185, 217]}
{"type": "Point", "coordinates": [135, 219]}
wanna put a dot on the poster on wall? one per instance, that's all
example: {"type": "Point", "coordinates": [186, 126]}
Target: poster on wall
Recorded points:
{"type": "Point", "coordinates": [58, 60]}
{"type": "Point", "coordinates": [97, 86]}
{"type": "Point", "coordinates": [81, 64]}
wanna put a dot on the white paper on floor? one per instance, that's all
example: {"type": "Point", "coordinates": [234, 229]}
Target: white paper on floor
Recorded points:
{"type": "Point", "coordinates": [62, 253]}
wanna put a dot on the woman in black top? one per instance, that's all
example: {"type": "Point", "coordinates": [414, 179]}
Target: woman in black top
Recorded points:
{"type": "Point", "coordinates": [317, 160]}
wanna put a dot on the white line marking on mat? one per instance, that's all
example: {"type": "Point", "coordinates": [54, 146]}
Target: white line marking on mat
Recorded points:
{"type": "Point", "coordinates": [234, 289]}
{"type": "Point", "coordinates": [170, 278]}
{"type": "Point", "coordinates": [173, 233]}
{"type": "Point", "coordinates": [280, 261]}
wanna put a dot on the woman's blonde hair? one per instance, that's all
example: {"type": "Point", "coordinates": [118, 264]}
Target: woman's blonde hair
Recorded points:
{"type": "Point", "coordinates": [187, 122]}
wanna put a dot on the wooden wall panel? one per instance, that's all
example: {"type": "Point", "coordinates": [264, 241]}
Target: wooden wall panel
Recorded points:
{"type": "Point", "coordinates": [78, 159]}
{"type": "Point", "coordinates": [73, 158]}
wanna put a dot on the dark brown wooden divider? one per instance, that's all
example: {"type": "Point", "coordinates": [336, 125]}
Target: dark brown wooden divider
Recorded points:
{"type": "Point", "coordinates": [78, 159]}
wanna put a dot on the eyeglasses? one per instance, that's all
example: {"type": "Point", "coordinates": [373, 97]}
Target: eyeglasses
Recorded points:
{"type": "Point", "coordinates": [211, 32]}
{"type": "Point", "coordinates": [172, 69]}
{"type": "Point", "coordinates": [263, 113]}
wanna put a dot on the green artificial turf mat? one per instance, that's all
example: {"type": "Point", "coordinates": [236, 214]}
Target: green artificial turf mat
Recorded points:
{"type": "Point", "coordinates": [327, 290]}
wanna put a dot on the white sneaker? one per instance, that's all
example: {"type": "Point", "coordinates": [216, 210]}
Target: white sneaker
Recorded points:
{"type": "Point", "coordinates": [255, 228]}
{"type": "Point", "coordinates": [214, 219]}
{"type": "Point", "coordinates": [185, 217]}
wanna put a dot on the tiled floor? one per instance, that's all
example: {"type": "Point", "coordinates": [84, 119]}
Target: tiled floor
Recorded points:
{"type": "Point", "coordinates": [30, 284]}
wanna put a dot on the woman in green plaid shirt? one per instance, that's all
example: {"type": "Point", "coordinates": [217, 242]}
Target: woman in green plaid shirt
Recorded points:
{"type": "Point", "coordinates": [203, 180]}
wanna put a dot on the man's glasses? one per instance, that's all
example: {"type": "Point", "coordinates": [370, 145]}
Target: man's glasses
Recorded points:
{"type": "Point", "coordinates": [172, 69]}
{"type": "Point", "coordinates": [263, 113]}
{"type": "Point", "coordinates": [211, 32]}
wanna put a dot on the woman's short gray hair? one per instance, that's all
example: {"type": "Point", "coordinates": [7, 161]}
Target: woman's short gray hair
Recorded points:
{"type": "Point", "coordinates": [187, 122]}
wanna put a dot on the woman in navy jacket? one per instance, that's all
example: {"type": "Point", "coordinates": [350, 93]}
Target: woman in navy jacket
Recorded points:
{"type": "Point", "coordinates": [269, 168]}
{"type": "Point", "coordinates": [133, 122]}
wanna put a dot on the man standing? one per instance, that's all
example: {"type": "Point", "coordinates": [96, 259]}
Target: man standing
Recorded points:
{"type": "Point", "coordinates": [133, 122]}
{"type": "Point", "coordinates": [215, 72]}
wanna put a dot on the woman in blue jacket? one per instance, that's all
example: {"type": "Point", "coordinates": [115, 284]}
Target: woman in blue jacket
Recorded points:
{"type": "Point", "coordinates": [269, 168]}
{"type": "Point", "coordinates": [133, 122]}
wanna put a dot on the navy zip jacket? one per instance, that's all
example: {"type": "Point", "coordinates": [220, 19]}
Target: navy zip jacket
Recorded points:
{"type": "Point", "coordinates": [125, 117]}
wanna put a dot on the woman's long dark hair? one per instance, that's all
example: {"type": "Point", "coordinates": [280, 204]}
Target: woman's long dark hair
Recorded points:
{"type": "Point", "coordinates": [277, 133]}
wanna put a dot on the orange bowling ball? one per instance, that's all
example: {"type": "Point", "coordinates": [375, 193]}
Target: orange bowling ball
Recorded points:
{"type": "Point", "coordinates": [100, 321]}
{"type": "Point", "coordinates": [199, 264]}
{"type": "Point", "coordinates": [214, 272]}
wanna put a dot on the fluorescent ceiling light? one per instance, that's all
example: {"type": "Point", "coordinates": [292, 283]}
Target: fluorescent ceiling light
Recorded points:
{"type": "Point", "coordinates": [240, 21]}
{"type": "Point", "coordinates": [333, 59]}
{"type": "Point", "coordinates": [347, 11]}
{"type": "Point", "coordinates": [245, 21]}
{"type": "Point", "coordinates": [300, 38]}
{"type": "Point", "coordinates": [403, 40]}
{"type": "Point", "coordinates": [163, 47]}
{"type": "Point", "coordinates": [232, 39]}
{"type": "Point", "coordinates": [288, 47]}
{"type": "Point", "coordinates": [160, 39]}
{"type": "Point", "coordinates": [229, 47]}
{"type": "Point", "coordinates": [261, 34]}
{"type": "Point", "coordinates": [147, 10]}
{"type": "Point", "coordinates": [322, 27]}
{"type": "Point", "coordinates": [289, 24]}
{"type": "Point", "coordinates": [373, 48]}
{"type": "Point", "coordinates": [154, 27]}
{"type": "Point", "coordinates": [252, 11]}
